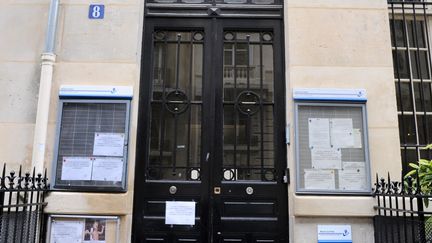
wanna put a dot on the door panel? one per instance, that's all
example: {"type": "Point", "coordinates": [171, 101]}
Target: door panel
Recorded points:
{"type": "Point", "coordinates": [216, 106]}
{"type": "Point", "coordinates": [252, 205]}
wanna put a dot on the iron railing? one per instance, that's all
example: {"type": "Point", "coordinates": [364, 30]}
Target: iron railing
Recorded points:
{"type": "Point", "coordinates": [21, 206]}
{"type": "Point", "coordinates": [402, 215]}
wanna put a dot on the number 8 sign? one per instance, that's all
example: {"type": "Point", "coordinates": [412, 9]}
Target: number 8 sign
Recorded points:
{"type": "Point", "coordinates": [96, 11]}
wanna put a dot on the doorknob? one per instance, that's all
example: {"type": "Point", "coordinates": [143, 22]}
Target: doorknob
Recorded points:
{"type": "Point", "coordinates": [249, 190]}
{"type": "Point", "coordinates": [173, 190]}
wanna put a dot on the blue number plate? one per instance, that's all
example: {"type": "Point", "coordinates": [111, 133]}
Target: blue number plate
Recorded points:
{"type": "Point", "coordinates": [96, 11]}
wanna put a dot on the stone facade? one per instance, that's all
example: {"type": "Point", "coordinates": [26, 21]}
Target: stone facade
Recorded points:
{"type": "Point", "coordinates": [328, 44]}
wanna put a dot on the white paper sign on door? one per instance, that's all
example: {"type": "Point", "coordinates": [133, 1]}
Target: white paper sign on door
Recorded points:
{"type": "Point", "coordinates": [341, 133]}
{"type": "Point", "coordinates": [76, 168]}
{"type": "Point", "coordinates": [107, 169]}
{"type": "Point", "coordinates": [180, 213]}
{"type": "Point", "coordinates": [108, 144]}
{"type": "Point", "coordinates": [326, 158]}
{"type": "Point", "coordinates": [67, 231]}
{"type": "Point", "coordinates": [319, 132]}
{"type": "Point", "coordinates": [319, 179]}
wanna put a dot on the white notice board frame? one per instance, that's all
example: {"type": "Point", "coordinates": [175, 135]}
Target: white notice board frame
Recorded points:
{"type": "Point", "coordinates": [364, 131]}
{"type": "Point", "coordinates": [52, 217]}
{"type": "Point", "coordinates": [90, 185]}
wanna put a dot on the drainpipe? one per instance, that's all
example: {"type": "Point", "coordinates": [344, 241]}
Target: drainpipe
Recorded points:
{"type": "Point", "coordinates": [47, 66]}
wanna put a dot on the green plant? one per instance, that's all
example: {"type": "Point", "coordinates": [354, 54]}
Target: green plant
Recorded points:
{"type": "Point", "coordinates": [422, 170]}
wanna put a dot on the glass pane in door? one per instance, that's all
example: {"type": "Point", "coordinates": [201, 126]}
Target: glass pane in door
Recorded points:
{"type": "Point", "coordinates": [175, 145]}
{"type": "Point", "coordinates": [248, 106]}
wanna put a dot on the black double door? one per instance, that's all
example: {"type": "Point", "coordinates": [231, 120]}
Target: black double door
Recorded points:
{"type": "Point", "coordinates": [212, 131]}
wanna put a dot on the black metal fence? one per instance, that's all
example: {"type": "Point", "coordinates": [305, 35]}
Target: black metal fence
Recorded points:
{"type": "Point", "coordinates": [21, 206]}
{"type": "Point", "coordinates": [402, 212]}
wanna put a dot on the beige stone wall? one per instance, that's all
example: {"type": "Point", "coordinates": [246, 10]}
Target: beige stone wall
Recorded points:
{"type": "Point", "coordinates": [90, 52]}
{"type": "Point", "coordinates": [98, 52]}
{"type": "Point", "coordinates": [342, 44]}
{"type": "Point", "coordinates": [329, 44]}
{"type": "Point", "coordinates": [22, 25]}
{"type": "Point", "coordinates": [306, 228]}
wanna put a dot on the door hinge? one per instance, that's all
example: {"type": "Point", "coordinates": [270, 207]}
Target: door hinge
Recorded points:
{"type": "Point", "coordinates": [286, 177]}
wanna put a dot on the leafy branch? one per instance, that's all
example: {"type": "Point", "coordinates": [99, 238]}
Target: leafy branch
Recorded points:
{"type": "Point", "coordinates": [422, 170]}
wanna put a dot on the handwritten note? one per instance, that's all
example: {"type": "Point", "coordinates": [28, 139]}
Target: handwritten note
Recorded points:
{"type": "Point", "coordinates": [76, 168]}
{"type": "Point", "coordinates": [109, 144]}
{"type": "Point", "coordinates": [319, 132]}
{"type": "Point", "coordinates": [180, 213]}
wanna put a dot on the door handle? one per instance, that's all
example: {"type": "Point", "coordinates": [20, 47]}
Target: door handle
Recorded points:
{"type": "Point", "coordinates": [207, 157]}
{"type": "Point", "coordinates": [217, 190]}
{"type": "Point", "coordinates": [286, 177]}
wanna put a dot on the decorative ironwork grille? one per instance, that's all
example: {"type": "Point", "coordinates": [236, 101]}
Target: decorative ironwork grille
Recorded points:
{"type": "Point", "coordinates": [257, 2]}
{"type": "Point", "coordinates": [215, 8]}
{"type": "Point", "coordinates": [21, 206]}
{"type": "Point", "coordinates": [248, 106]}
{"type": "Point", "coordinates": [402, 217]}
{"type": "Point", "coordinates": [176, 106]}
{"type": "Point", "coordinates": [409, 27]}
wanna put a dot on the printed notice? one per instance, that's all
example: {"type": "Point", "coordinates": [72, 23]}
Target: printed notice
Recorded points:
{"type": "Point", "coordinates": [180, 213]}
{"type": "Point", "coordinates": [353, 165]}
{"type": "Point", "coordinates": [66, 231]}
{"type": "Point", "coordinates": [326, 158]}
{"type": "Point", "coordinates": [319, 179]}
{"type": "Point", "coordinates": [357, 139]}
{"type": "Point", "coordinates": [77, 168]}
{"type": "Point", "coordinates": [107, 169]}
{"type": "Point", "coordinates": [109, 144]}
{"type": "Point", "coordinates": [353, 176]}
{"type": "Point", "coordinates": [341, 133]}
{"type": "Point", "coordinates": [319, 132]}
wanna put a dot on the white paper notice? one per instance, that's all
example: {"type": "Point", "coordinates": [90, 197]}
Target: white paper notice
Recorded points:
{"type": "Point", "coordinates": [357, 139]}
{"type": "Point", "coordinates": [353, 165]}
{"type": "Point", "coordinates": [319, 132]}
{"type": "Point", "coordinates": [77, 168]}
{"type": "Point", "coordinates": [67, 231]}
{"type": "Point", "coordinates": [326, 158]}
{"type": "Point", "coordinates": [109, 144]}
{"type": "Point", "coordinates": [107, 169]}
{"type": "Point", "coordinates": [319, 179]}
{"type": "Point", "coordinates": [353, 176]}
{"type": "Point", "coordinates": [341, 133]}
{"type": "Point", "coordinates": [180, 213]}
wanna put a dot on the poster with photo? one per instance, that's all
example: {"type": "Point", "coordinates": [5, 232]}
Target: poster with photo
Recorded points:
{"type": "Point", "coordinates": [94, 230]}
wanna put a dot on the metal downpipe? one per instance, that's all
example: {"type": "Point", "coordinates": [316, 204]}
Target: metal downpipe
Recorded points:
{"type": "Point", "coordinates": [47, 67]}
